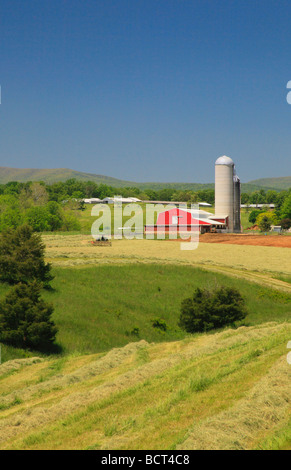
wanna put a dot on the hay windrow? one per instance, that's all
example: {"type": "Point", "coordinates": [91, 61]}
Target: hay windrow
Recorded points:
{"type": "Point", "coordinates": [16, 364]}
{"type": "Point", "coordinates": [268, 400]}
{"type": "Point", "coordinates": [235, 429]}
{"type": "Point", "coordinates": [112, 359]}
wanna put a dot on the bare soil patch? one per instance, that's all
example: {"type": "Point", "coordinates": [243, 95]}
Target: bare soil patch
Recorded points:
{"type": "Point", "coordinates": [282, 241]}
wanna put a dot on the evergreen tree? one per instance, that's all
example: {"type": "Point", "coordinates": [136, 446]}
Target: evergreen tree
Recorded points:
{"type": "Point", "coordinates": [22, 257]}
{"type": "Point", "coordinates": [25, 318]}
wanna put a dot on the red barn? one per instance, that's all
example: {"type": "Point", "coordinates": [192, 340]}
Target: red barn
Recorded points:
{"type": "Point", "coordinates": [186, 220]}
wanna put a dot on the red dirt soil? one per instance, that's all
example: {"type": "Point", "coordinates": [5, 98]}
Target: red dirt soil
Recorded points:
{"type": "Point", "coordinates": [282, 241]}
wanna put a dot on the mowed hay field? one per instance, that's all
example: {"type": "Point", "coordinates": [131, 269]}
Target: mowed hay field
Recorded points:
{"type": "Point", "coordinates": [227, 390]}
{"type": "Point", "coordinates": [263, 264]}
{"type": "Point", "coordinates": [118, 382]}
{"type": "Point", "coordinates": [77, 249]}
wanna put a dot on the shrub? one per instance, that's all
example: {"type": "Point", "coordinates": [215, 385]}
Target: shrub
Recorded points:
{"type": "Point", "coordinates": [207, 310]}
{"type": "Point", "coordinates": [25, 318]}
{"type": "Point", "coordinates": [265, 220]}
{"type": "Point", "coordinates": [133, 332]}
{"type": "Point", "coordinates": [264, 224]}
{"type": "Point", "coordinates": [160, 324]}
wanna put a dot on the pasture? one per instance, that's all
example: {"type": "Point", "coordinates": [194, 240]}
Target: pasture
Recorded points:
{"type": "Point", "coordinates": [97, 308]}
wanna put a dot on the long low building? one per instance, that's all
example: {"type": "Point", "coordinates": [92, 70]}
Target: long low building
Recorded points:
{"type": "Point", "coordinates": [258, 206]}
{"type": "Point", "coordinates": [111, 200]}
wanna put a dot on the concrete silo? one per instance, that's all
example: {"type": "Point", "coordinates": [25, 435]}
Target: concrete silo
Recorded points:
{"type": "Point", "coordinates": [236, 203]}
{"type": "Point", "coordinates": [227, 192]}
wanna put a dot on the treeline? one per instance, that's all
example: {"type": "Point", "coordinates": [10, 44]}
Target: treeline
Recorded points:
{"type": "Point", "coordinates": [265, 197]}
{"type": "Point", "coordinates": [31, 204]}
{"type": "Point", "coordinates": [76, 189]}
{"type": "Point", "coordinates": [51, 207]}
{"type": "Point", "coordinates": [265, 218]}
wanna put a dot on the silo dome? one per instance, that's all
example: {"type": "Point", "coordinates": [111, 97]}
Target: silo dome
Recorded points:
{"type": "Point", "coordinates": [224, 160]}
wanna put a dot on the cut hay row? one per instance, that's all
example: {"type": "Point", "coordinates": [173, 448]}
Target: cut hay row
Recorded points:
{"type": "Point", "coordinates": [116, 356]}
{"type": "Point", "coordinates": [129, 397]}
{"type": "Point", "coordinates": [266, 405]}
{"type": "Point", "coordinates": [16, 364]}
{"type": "Point", "coordinates": [77, 249]}
{"type": "Point", "coordinates": [111, 360]}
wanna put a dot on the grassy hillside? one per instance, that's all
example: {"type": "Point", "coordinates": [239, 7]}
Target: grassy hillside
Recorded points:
{"type": "Point", "coordinates": [55, 175]}
{"type": "Point", "coordinates": [101, 307]}
{"type": "Point", "coordinates": [62, 174]}
{"type": "Point", "coordinates": [277, 183]}
{"type": "Point", "coordinates": [228, 390]}
{"type": "Point", "coordinates": [98, 308]}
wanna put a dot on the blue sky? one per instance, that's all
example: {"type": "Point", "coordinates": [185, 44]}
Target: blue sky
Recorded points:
{"type": "Point", "coordinates": [146, 90]}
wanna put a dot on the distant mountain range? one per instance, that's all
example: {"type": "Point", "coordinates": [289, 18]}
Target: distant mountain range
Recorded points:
{"type": "Point", "coordinates": [63, 174]}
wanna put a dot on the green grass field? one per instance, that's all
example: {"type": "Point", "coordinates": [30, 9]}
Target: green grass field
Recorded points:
{"type": "Point", "coordinates": [101, 307]}
{"type": "Point", "coordinates": [98, 308]}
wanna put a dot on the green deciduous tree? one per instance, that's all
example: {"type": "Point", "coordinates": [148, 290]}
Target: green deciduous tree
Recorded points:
{"type": "Point", "coordinates": [285, 223]}
{"type": "Point", "coordinates": [207, 310]}
{"type": "Point", "coordinates": [253, 216]}
{"type": "Point", "coordinates": [286, 208]}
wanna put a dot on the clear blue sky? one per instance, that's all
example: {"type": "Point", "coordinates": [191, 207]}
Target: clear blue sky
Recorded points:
{"type": "Point", "coordinates": [146, 90]}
